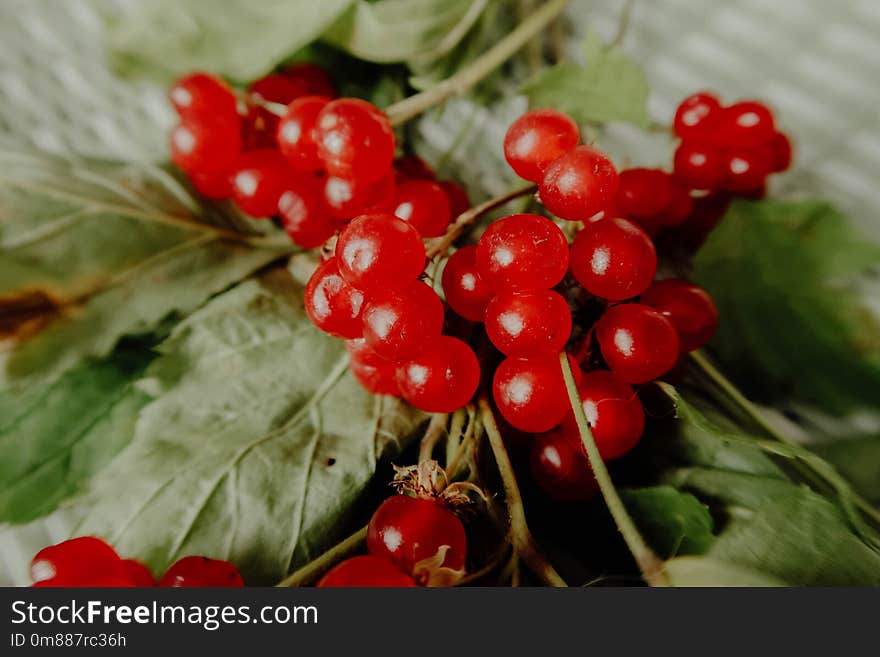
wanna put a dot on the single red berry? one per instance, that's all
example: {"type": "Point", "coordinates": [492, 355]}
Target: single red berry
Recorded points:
{"type": "Point", "coordinates": [745, 124]}
{"type": "Point", "coordinates": [696, 115]}
{"type": "Point", "coordinates": [746, 169]}
{"type": "Point", "coordinates": [643, 192]}
{"type": "Point", "coordinates": [303, 213]}
{"type": "Point", "coordinates": [613, 411]}
{"type": "Point", "coordinates": [79, 561]}
{"type": "Point", "coordinates": [537, 138]}
{"type": "Point", "coordinates": [579, 184]}
{"type": "Point", "coordinates": [365, 571]}
{"type": "Point", "coordinates": [333, 305]}
{"type": "Point", "coordinates": [699, 165]}
{"type": "Point", "coordinates": [458, 198]}
{"type": "Point", "coordinates": [528, 322]}
{"type": "Point", "coordinates": [355, 139]}
{"type": "Point", "coordinates": [201, 572]}
{"type": "Point", "coordinates": [376, 374]}
{"type": "Point", "coordinates": [296, 133]}
{"type": "Point", "coordinates": [442, 378]}
{"type": "Point", "coordinates": [258, 128]}
{"type": "Point", "coordinates": [613, 259]}
{"type": "Point", "coordinates": [349, 197]}
{"type": "Point", "coordinates": [206, 145]}
{"type": "Point", "coordinates": [275, 88]}
{"type": "Point", "coordinates": [679, 208]}
{"type": "Point", "coordinates": [215, 185]}
{"type": "Point", "coordinates": [401, 322]}
{"type": "Point", "coordinates": [560, 468]}
{"type": "Point", "coordinates": [637, 342]}
{"type": "Point", "coordinates": [781, 148]}
{"type": "Point", "coordinates": [200, 96]}
{"type": "Point", "coordinates": [523, 252]}
{"type": "Point", "coordinates": [689, 307]}
{"type": "Point", "coordinates": [530, 391]}
{"type": "Point", "coordinates": [466, 292]}
{"type": "Point", "coordinates": [380, 251]}
{"type": "Point", "coordinates": [137, 573]}
{"type": "Point", "coordinates": [259, 179]}
{"type": "Point", "coordinates": [412, 167]}
{"type": "Point", "coordinates": [424, 205]}
{"type": "Point", "coordinates": [311, 79]}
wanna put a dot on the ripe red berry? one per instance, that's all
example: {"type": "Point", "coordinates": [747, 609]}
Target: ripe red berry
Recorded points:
{"type": "Point", "coordinates": [349, 197]}
{"type": "Point", "coordinates": [643, 192]}
{"type": "Point", "coordinates": [259, 179]}
{"type": "Point", "coordinates": [201, 572]}
{"type": "Point", "coordinates": [296, 133]}
{"type": "Point", "coordinates": [696, 115]}
{"type": "Point", "coordinates": [689, 307]}
{"type": "Point", "coordinates": [458, 197]}
{"type": "Point", "coordinates": [530, 392]}
{"type": "Point", "coordinates": [258, 128]}
{"type": "Point", "coordinates": [380, 251]}
{"type": "Point", "coordinates": [424, 205]}
{"type": "Point", "coordinates": [365, 571]}
{"type": "Point", "coordinates": [401, 322]}
{"type": "Point", "coordinates": [528, 322]}
{"type": "Point", "coordinates": [522, 252]}
{"type": "Point", "coordinates": [200, 96]}
{"type": "Point", "coordinates": [212, 185]}
{"type": "Point", "coordinates": [275, 88]}
{"type": "Point", "coordinates": [311, 79]}
{"type": "Point", "coordinates": [579, 184]}
{"type": "Point", "coordinates": [412, 167]}
{"type": "Point", "coordinates": [781, 148]}
{"type": "Point", "coordinates": [699, 165]}
{"type": "Point", "coordinates": [79, 561]}
{"type": "Point", "coordinates": [613, 259]}
{"type": "Point", "coordinates": [406, 530]}
{"type": "Point", "coordinates": [333, 305]}
{"type": "Point", "coordinates": [746, 124]}
{"type": "Point", "coordinates": [206, 145]}
{"type": "Point", "coordinates": [376, 374]}
{"type": "Point", "coordinates": [303, 213]}
{"type": "Point", "coordinates": [355, 139]}
{"type": "Point", "coordinates": [442, 378]}
{"type": "Point", "coordinates": [637, 342]}
{"type": "Point", "coordinates": [746, 169]}
{"type": "Point", "coordinates": [464, 288]}
{"type": "Point", "coordinates": [537, 138]}
{"type": "Point", "coordinates": [560, 468]}
{"type": "Point", "coordinates": [137, 573]}
{"type": "Point", "coordinates": [678, 209]}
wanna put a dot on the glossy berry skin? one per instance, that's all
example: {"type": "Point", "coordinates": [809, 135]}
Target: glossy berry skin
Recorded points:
{"type": "Point", "coordinates": [303, 213]}
{"type": "Point", "coordinates": [202, 96]}
{"type": "Point", "coordinates": [528, 322]}
{"type": "Point", "coordinates": [637, 342]}
{"type": "Point", "coordinates": [275, 88]}
{"type": "Point", "coordinates": [466, 292]}
{"type": "Point", "coordinates": [579, 184]}
{"type": "Point", "coordinates": [310, 79]}
{"type": "Point", "coordinates": [376, 374]}
{"type": "Point", "coordinates": [205, 146]}
{"type": "Point", "coordinates": [258, 180]}
{"type": "Point", "coordinates": [215, 186]}
{"type": "Point", "coordinates": [365, 571]}
{"type": "Point", "coordinates": [781, 148]}
{"type": "Point", "coordinates": [530, 392]}
{"type": "Point", "coordinates": [537, 138]}
{"type": "Point", "coordinates": [689, 307]}
{"type": "Point", "coordinates": [442, 378]}
{"type": "Point", "coordinates": [412, 167]}
{"type": "Point", "coordinates": [696, 115]}
{"type": "Point", "coordinates": [522, 252]}
{"type": "Point", "coordinates": [745, 124]}
{"type": "Point", "coordinates": [355, 139]}
{"type": "Point", "coordinates": [560, 468]}
{"type": "Point", "coordinates": [678, 209]}
{"type": "Point", "coordinates": [137, 573]}
{"type": "Point", "coordinates": [80, 561]}
{"type": "Point", "coordinates": [399, 323]}
{"type": "Point", "coordinates": [458, 198]}
{"type": "Point", "coordinates": [613, 259]}
{"type": "Point", "coordinates": [380, 251]}
{"type": "Point", "coordinates": [424, 205]}
{"type": "Point", "coordinates": [699, 165]}
{"type": "Point", "coordinates": [333, 305]}
{"type": "Point", "coordinates": [643, 192]}
{"type": "Point", "coordinates": [201, 572]}
{"type": "Point", "coordinates": [613, 411]}
{"type": "Point", "coordinates": [745, 169]}
{"type": "Point", "coordinates": [295, 135]}
{"type": "Point", "coordinates": [347, 197]}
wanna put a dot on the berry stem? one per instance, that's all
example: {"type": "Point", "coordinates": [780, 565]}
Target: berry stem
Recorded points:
{"type": "Point", "coordinates": [436, 428]}
{"type": "Point", "coordinates": [470, 75]}
{"type": "Point", "coordinates": [313, 570]}
{"type": "Point", "coordinates": [523, 541]}
{"type": "Point", "coordinates": [650, 565]}
{"type": "Point", "coordinates": [461, 449]}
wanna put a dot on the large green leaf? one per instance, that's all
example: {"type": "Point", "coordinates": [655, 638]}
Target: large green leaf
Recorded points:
{"type": "Point", "coordinates": [672, 522]}
{"type": "Point", "coordinates": [706, 571]}
{"type": "Point", "coordinates": [257, 446]}
{"type": "Point", "coordinates": [858, 459]}
{"type": "Point", "coordinates": [792, 324]}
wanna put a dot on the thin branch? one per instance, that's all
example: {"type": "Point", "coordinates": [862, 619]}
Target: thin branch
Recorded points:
{"type": "Point", "coordinates": [312, 571]}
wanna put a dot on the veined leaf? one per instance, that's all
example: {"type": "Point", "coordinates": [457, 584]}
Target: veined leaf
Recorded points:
{"type": "Point", "coordinates": [258, 445]}
{"type": "Point", "coordinates": [672, 522]}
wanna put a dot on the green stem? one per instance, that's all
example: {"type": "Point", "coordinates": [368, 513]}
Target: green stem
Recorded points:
{"type": "Point", "coordinates": [313, 570]}
{"type": "Point", "coordinates": [435, 430]}
{"type": "Point", "coordinates": [650, 565]}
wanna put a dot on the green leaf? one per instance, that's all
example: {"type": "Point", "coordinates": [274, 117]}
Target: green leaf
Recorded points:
{"type": "Point", "coordinates": [609, 87]}
{"type": "Point", "coordinates": [239, 39]}
{"type": "Point", "coordinates": [259, 443]}
{"type": "Point", "coordinates": [792, 326]}
{"type": "Point", "coordinates": [54, 437]}
{"type": "Point", "coordinates": [707, 571]}
{"type": "Point", "coordinates": [671, 521]}
{"type": "Point", "coordinates": [857, 459]}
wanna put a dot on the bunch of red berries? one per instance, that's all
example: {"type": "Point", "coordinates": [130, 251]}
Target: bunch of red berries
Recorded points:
{"type": "Point", "coordinates": [88, 561]}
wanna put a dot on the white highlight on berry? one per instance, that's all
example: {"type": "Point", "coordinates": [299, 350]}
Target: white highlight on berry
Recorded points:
{"type": "Point", "coordinates": [525, 144]}
{"type": "Point", "coordinates": [591, 411]}
{"type": "Point", "coordinates": [748, 120]}
{"type": "Point", "coordinates": [359, 254]}
{"type": "Point", "coordinates": [512, 323]}
{"type": "Point", "coordinates": [392, 539]}
{"type": "Point", "coordinates": [42, 570]}
{"type": "Point", "coordinates": [623, 341]}
{"type": "Point", "coordinates": [333, 142]}
{"type": "Point", "coordinates": [738, 165]}
{"type": "Point", "coordinates": [468, 282]}
{"type": "Point", "coordinates": [184, 140]}
{"type": "Point", "coordinates": [291, 206]}
{"type": "Point", "coordinates": [600, 260]}
{"type": "Point", "coordinates": [181, 97]}
{"type": "Point", "coordinates": [291, 131]}
{"type": "Point", "coordinates": [382, 321]}
{"type": "Point", "coordinates": [503, 256]}
{"type": "Point", "coordinates": [568, 182]}
{"type": "Point", "coordinates": [552, 455]}
{"type": "Point", "coordinates": [338, 191]}
{"type": "Point", "coordinates": [404, 210]}
{"type": "Point", "coordinates": [246, 183]}
{"type": "Point", "coordinates": [519, 389]}
{"type": "Point", "coordinates": [417, 374]}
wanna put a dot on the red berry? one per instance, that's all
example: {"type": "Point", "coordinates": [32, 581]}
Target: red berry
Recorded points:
{"type": "Point", "coordinates": [424, 205]}
{"type": "Point", "coordinates": [310, 79]}
{"type": "Point", "coordinates": [76, 562]}
{"type": "Point", "coordinates": [560, 468]}
{"type": "Point", "coordinates": [206, 145]}
{"type": "Point", "coordinates": [696, 115]}
{"type": "Point", "coordinates": [365, 571]}
{"type": "Point", "coordinates": [333, 305]}
{"type": "Point", "coordinates": [613, 411]}
{"type": "Point", "coordinates": [746, 169]}
{"type": "Point", "coordinates": [137, 573]}
{"type": "Point", "coordinates": [689, 307]}
{"type": "Point", "coordinates": [643, 192]}
{"type": "Point", "coordinates": [638, 343]}
{"type": "Point", "coordinates": [613, 259]}
{"type": "Point", "coordinates": [458, 197]}
{"type": "Point", "coordinates": [537, 138]}
{"type": "Point", "coordinates": [201, 572]}
{"type": "Point", "coordinates": [530, 392]}
{"type": "Point", "coordinates": [579, 184]}
{"type": "Point", "coordinates": [378, 251]}
{"type": "Point", "coordinates": [466, 292]}
{"type": "Point", "coordinates": [699, 165]}
{"type": "Point", "coordinates": [200, 96]}
{"type": "Point", "coordinates": [412, 167]}
{"type": "Point", "coordinates": [212, 185]}
{"type": "Point", "coordinates": [296, 128]}
{"type": "Point", "coordinates": [348, 198]}
{"type": "Point", "coordinates": [523, 252]}
{"type": "Point", "coordinates": [678, 209]}
{"type": "Point", "coordinates": [275, 88]}
{"type": "Point", "coordinates": [303, 213]}
{"type": "Point", "coordinates": [442, 378]}
{"type": "Point", "coordinates": [258, 128]}
{"type": "Point", "coordinates": [376, 374]}
{"type": "Point", "coordinates": [746, 124]}
{"type": "Point", "coordinates": [781, 148]}
{"type": "Point", "coordinates": [355, 139]}
{"type": "Point", "coordinates": [528, 322]}
{"type": "Point", "coordinates": [406, 530]}
{"type": "Point", "coordinates": [401, 322]}
{"type": "Point", "coordinates": [259, 179]}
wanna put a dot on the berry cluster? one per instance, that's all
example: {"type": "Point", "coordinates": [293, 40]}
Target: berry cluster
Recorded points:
{"type": "Point", "coordinates": [88, 561]}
